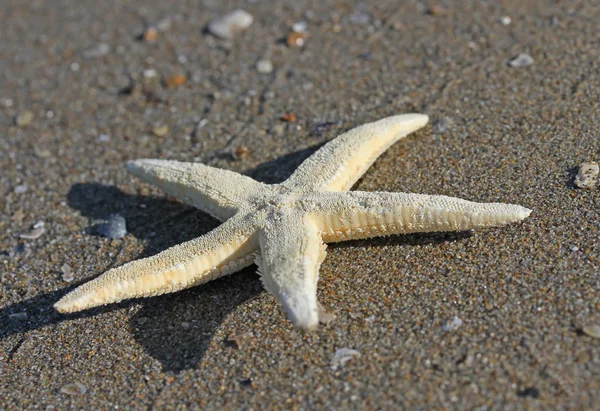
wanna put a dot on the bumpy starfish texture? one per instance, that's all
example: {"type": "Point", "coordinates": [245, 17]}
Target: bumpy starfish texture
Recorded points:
{"type": "Point", "coordinates": [283, 227]}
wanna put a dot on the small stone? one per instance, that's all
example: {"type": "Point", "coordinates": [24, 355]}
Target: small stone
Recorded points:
{"type": "Point", "coordinates": [441, 125]}
{"type": "Point", "coordinates": [150, 73]}
{"type": "Point", "coordinates": [185, 325]}
{"type": "Point", "coordinates": [24, 118]}
{"type": "Point", "coordinates": [593, 330]}
{"type": "Point", "coordinates": [325, 317]}
{"type": "Point", "coordinates": [100, 50]}
{"type": "Point", "coordinates": [42, 152]}
{"type": "Point", "coordinates": [452, 325]}
{"type": "Point", "coordinates": [175, 80]}
{"type": "Point", "coordinates": [36, 231]}
{"type": "Point", "coordinates": [264, 66]}
{"type": "Point", "coordinates": [67, 273]}
{"type": "Point", "coordinates": [18, 215]}
{"type": "Point", "coordinates": [289, 117]}
{"type": "Point", "coordinates": [104, 138]}
{"type": "Point", "coordinates": [22, 316]}
{"type": "Point", "coordinates": [6, 102]}
{"type": "Point", "coordinates": [299, 27]}
{"type": "Point", "coordinates": [75, 388]}
{"type": "Point", "coordinates": [74, 66]}
{"type": "Point", "coordinates": [20, 189]}
{"type": "Point", "coordinates": [505, 20]}
{"type": "Point", "coordinates": [241, 152]}
{"type": "Point", "coordinates": [587, 175]}
{"type": "Point", "coordinates": [150, 34]}
{"type": "Point", "coordinates": [231, 23]}
{"type": "Point", "coordinates": [436, 10]}
{"type": "Point", "coordinates": [241, 340]}
{"type": "Point", "coordinates": [522, 60]}
{"type": "Point", "coordinates": [142, 320]}
{"type": "Point", "coordinates": [295, 39]}
{"type": "Point", "coordinates": [160, 130]}
{"type": "Point", "coordinates": [114, 227]}
{"type": "Point", "coordinates": [164, 24]}
{"type": "Point", "coordinates": [342, 356]}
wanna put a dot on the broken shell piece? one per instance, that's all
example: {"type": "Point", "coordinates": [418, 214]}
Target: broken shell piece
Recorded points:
{"type": "Point", "coordinates": [36, 232]}
{"type": "Point", "coordinates": [230, 24]}
{"type": "Point", "coordinates": [342, 356]}
{"type": "Point", "coordinates": [588, 175]}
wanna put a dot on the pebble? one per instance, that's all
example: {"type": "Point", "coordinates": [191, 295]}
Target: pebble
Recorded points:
{"type": "Point", "coordinates": [241, 152]}
{"type": "Point", "coordinates": [20, 189]}
{"type": "Point", "coordinates": [176, 80]}
{"type": "Point", "coordinates": [295, 39]}
{"type": "Point", "coordinates": [150, 73]}
{"type": "Point", "coordinates": [325, 317]}
{"type": "Point", "coordinates": [342, 356]}
{"type": "Point", "coordinates": [186, 325]}
{"type": "Point", "coordinates": [588, 175]}
{"type": "Point", "coordinates": [452, 325]}
{"type": "Point", "coordinates": [114, 227]}
{"type": "Point", "coordinates": [231, 23]}
{"type": "Point", "coordinates": [593, 330]}
{"type": "Point", "coordinates": [300, 27]}
{"type": "Point", "coordinates": [441, 125]}
{"type": "Point", "coordinates": [103, 138]}
{"type": "Point", "coordinates": [160, 130]}
{"type": "Point", "coordinates": [164, 24]}
{"type": "Point", "coordinates": [264, 66]}
{"type": "Point", "coordinates": [18, 316]}
{"type": "Point", "coordinates": [24, 118]}
{"type": "Point", "coordinates": [142, 320]}
{"type": "Point", "coordinates": [505, 20]}
{"type": "Point", "coordinates": [242, 340]}
{"type": "Point", "coordinates": [75, 388]}
{"type": "Point", "coordinates": [67, 273]}
{"type": "Point", "coordinates": [289, 117]}
{"type": "Point", "coordinates": [150, 34]}
{"type": "Point", "coordinates": [522, 60]}
{"type": "Point", "coordinates": [36, 232]}
{"type": "Point", "coordinates": [100, 50]}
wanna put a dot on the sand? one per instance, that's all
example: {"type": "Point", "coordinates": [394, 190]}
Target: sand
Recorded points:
{"type": "Point", "coordinates": [521, 294]}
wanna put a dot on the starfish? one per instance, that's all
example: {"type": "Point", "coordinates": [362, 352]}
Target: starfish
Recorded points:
{"type": "Point", "coordinates": [283, 227]}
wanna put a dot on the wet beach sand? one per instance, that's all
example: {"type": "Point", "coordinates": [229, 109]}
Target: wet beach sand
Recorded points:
{"type": "Point", "coordinates": [490, 319]}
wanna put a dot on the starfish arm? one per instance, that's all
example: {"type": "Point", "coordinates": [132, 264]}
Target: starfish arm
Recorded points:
{"type": "Point", "coordinates": [291, 252]}
{"type": "Point", "coordinates": [220, 193]}
{"type": "Point", "coordinates": [356, 214]}
{"type": "Point", "coordinates": [340, 163]}
{"type": "Point", "coordinates": [226, 249]}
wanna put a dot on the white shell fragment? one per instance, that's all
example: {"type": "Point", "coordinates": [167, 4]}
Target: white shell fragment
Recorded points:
{"type": "Point", "coordinates": [593, 330]}
{"type": "Point", "coordinates": [75, 388]}
{"type": "Point", "coordinates": [342, 356]}
{"type": "Point", "coordinates": [588, 175]}
{"type": "Point", "coordinates": [522, 60]}
{"type": "Point", "coordinates": [230, 24]}
{"type": "Point", "coordinates": [36, 232]}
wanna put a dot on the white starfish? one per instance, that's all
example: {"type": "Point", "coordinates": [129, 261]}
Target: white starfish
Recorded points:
{"type": "Point", "coordinates": [283, 227]}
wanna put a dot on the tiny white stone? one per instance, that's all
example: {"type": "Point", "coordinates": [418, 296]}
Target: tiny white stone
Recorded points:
{"type": "Point", "coordinates": [230, 24]}
{"type": "Point", "coordinates": [505, 20]}
{"type": "Point", "coordinates": [264, 66]}
{"type": "Point", "coordinates": [522, 60]}
{"type": "Point", "coordinates": [587, 175]}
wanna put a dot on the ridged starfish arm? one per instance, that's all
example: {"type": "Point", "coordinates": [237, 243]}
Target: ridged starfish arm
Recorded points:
{"type": "Point", "coordinates": [220, 193]}
{"type": "Point", "coordinates": [291, 253]}
{"type": "Point", "coordinates": [356, 214]}
{"type": "Point", "coordinates": [228, 248]}
{"type": "Point", "coordinates": [340, 163]}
